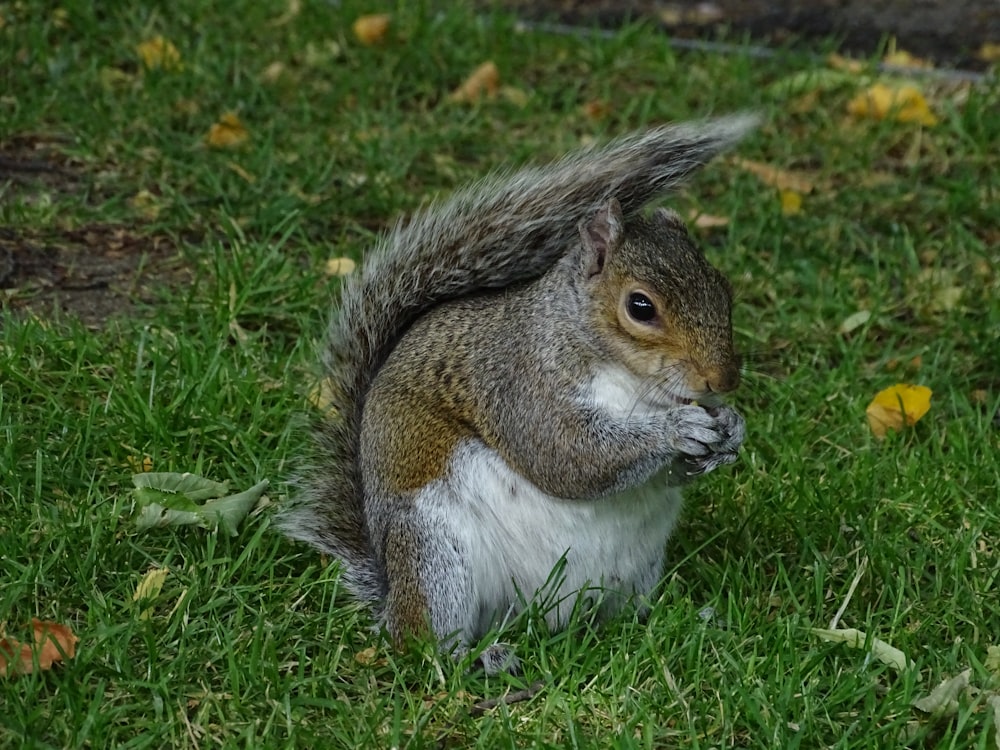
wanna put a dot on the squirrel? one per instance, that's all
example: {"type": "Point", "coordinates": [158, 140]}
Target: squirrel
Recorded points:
{"type": "Point", "coordinates": [522, 378]}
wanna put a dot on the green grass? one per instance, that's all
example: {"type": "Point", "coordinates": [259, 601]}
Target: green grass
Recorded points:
{"type": "Point", "coordinates": [250, 642]}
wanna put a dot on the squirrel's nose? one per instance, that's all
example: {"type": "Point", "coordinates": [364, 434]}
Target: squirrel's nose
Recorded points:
{"type": "Point", "coordinates": [724, 378]}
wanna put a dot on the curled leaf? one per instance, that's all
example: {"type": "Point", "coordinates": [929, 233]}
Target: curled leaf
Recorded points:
{"type": "Point", "coordinates": [943, 700]}
{"type": "Point", "coordinates": [889, 655]}
{"type": "Point", "coordinates": [896, 407]}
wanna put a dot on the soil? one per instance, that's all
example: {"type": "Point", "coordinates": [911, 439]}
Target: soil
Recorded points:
{"type": "Point", "coordinates": [91, 272]}
{"type": "Point", "coordinates": [947, 32]}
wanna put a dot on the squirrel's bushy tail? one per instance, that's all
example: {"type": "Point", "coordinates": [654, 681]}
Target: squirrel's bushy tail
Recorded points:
{"type": "Point", "coordinates": [506, 228]}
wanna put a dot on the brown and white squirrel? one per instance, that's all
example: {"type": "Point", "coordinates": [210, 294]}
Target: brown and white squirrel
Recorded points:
{"type": "Point", "coordinates": [522, 377]}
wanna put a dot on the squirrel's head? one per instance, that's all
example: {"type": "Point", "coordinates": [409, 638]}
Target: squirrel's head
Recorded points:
{"type": "Point", "coordinates": [660, 307]}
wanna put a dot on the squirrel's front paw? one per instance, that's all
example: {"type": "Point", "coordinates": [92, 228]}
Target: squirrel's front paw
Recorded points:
{"type": "Point", "coordinates": [709, 438]}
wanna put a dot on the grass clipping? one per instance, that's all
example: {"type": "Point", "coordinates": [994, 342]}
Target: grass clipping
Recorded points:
{"type": "Point", "coordinates": [173, 499]}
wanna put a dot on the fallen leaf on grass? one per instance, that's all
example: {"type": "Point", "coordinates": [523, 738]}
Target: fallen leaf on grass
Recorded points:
{"type": "Point", "coordinates": [51, 642]}
{"type": "Point", "coordinates": [943, 700]}
{"type": "Point", "coordinates": [227, 132]}
{"type": "Point", "coordinates": [902, 104]}
{"type": "Point", "coordinates": [173, 499]}
{"type": "Point", "coordinates": [707, 221]}
{"type": "Point", "coordinates": [855, 321]}
{"type": "Point", "coordinates": [158, 53]}
{"type": "Point", "coordinates": [992, 662]}
{"type": "Point", "coordinates": [900, 58]}
{"type": "Point", "coordinates": [889, 655]}
{"type": "Point", "coordinates": [339, 266]}
{"type": "Point", "coordinates": [791, 202]}
{"type": "Point", "coordinates": [371, 29]}
{"type": "Point", "coordinates": [994, 702]}
{"type": "Point", "coordinates": [897, 406]}
{"type": "Point", "coordinates": [989, 52]}
{"type": "Point", "coordinates": [595, 109]}
{"type": "Point", "coordinates": [292, 9]}
{"type": "Point", "coordinates": [783, 179]}
{"type": "Point", "coordinates": [149, 588]}
{"type": "Point", "coordinates": [484, 80]}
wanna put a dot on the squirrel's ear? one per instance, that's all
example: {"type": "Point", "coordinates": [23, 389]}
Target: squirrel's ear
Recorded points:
{"type": "Point", "coordinates": [601, 234]}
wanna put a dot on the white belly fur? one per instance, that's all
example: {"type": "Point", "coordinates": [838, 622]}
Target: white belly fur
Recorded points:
{"type": "Point", "coordinates": [514, 536]}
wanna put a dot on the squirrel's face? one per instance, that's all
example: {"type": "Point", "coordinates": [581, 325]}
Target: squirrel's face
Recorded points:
{"type": "Point", "coordinates": [664, 311]}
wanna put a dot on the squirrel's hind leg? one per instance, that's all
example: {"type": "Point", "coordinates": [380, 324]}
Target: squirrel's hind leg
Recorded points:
{"type": "Point", "coordinates": [431, 590]}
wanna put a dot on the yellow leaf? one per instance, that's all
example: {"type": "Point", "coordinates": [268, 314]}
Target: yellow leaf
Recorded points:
{"type": "Point", "coordinates": [900, 58]}
{"type": "Point", "coordinates": [898, 406]}
{"type": "Point", "coordinates": [149, 588]}
{"type": "Point", "coordinates": [846, 64]}
{"type": "Point", "coordinates": [139, 465]}
{"type": "Point", "coordinates": [159, 53]}
{"type": "Point", "coordinates": [484, 80]}
{"type": "Point", "coordinates": [371, 29]}
{"type": "Point", "coordinates": [902, 104]}
{"type": "Point", "coordinates": [321, 396]}
{"type": "Point", "coordinates": [783, 179]}
{"type": "Point", "coordinates": [339, 266]}
{"type": "Point", "coordinates": [227, 132]}
{"type": "Point", "coordinates": [791, 202]}
{"type": "Point", "coordinates": [989, 52]}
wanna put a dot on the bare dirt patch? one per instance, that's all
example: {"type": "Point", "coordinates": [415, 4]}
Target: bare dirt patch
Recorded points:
{"type": "Point", "coordinates": [92, 273]}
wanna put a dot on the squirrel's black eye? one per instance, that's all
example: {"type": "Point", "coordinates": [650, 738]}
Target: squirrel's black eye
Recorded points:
{"type": "Point", "coordinates": [640, 307]}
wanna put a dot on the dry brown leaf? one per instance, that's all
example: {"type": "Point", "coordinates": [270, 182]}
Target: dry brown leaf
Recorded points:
{"type": "Point", "coordinates": [484, 80]}
{"type": "Point", "coordinates": [783, 179]}
{"type": "Point", "coordinates": [228, 132]}
{"type": "Point", "coordinates": [50, 643]}
{"type": "Point", "coordinates": [595, 109]}
{"type": "Point", "coordinates": [158, 53]}
{"type": "Point", "coordinates": [372, 29]}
